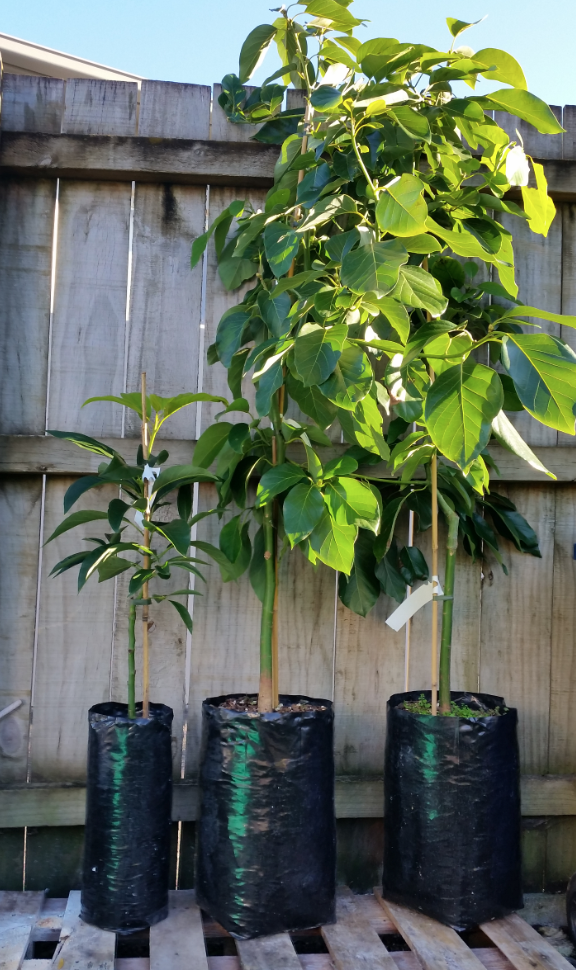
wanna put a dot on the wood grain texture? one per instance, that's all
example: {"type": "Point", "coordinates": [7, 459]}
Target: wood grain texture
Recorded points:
{"type": "Point", "coordinates": [95, 107]}
{"type": "Point", "coordinates": [569, 136]}
{"type": "Point", "coordinates": [352, 941]}
{"type": "Point", "coordinates": [437, 947]}
{"type": "Point", "coordinates": [83, 945]}
{"type": "Point", "coordinates": [224, 130]}
{"type": "Point", "coordinates": [32, 103]}
{"type": "Point", "coordinates": [88, 329]}
{"type": "Point", "coordinates": [27, 220]}
{"type": "Point", "coordinates": [170, 110]}
{"type": "Point", "coordinates": [538, 262]}
{"type": "Point", "coordinates": [74, 643]}
{"type": "Point", "coordinates": [177, 943]}
{"type": "Point", "coordinates": [267, 952]}
{"type": "Point", "coordinates": [562, 741]}
{"type": "Point", "coordinates": [166, 295]}
{"type": "Point", "coordinates": [560, 835]}
{"type": "Point", "coordinates": [567, 215]}
{"type": "Point", "coordinates": [18, 913]}
{"type": "Point", "coordinates": [148, 159]}
{"type": "Point", "coordinates": [517, 627]}
{"type": "Point", "coordinates": [539, 146]}
{"type": "Point", "coordinates": [218, 300]}
{"type": "Point", "coordinates": [523, 946]}
{"type": "Point", "coordinates": [20, 501]}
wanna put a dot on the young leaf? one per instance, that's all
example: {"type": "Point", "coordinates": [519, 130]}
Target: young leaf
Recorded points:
{"type": "Point", "coordinates": [77, 518]}
{"type": "Point", "coordinates": [184, 614]}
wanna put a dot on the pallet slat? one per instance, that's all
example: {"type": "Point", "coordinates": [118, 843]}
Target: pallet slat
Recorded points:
{"type": "Point", "coordinates": [352, 941]}
{"type": "Point", "coordinates": [438, 947]}
{"type": "Point", "coordinates": [18, 914]}
{"type": "Point", "coordinates": [177, 943]}
{"type": "Point", "coordinates": [82, 945]}
{"type": "Point", "coordinates": [268, 953]}
{"type": "Point", "coordinates": [523, 946]}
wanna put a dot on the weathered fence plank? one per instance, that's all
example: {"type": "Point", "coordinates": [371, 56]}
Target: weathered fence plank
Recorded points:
{"type": "Point", "coordinates": [539, 146]}
{"type": "Point", "coordinates": [305, 627]}
{"type": "Point", "coordinates": [567, 213]}
{"type": "Point", "coordinates": [27, 220]}
{"type": "Point", "coordinates": [166, 296]}
{"type": "Point", "coordinates": [223, 130]}
{"type": "Point", "coordinates": [170, 110]}
{"type": "Point", "coordinates": [20, 501]}
{"type": "Point", "coordinates": [569, 136]}
{"type": "Point", "coordinates": [88, 331]}
{"type": "Point", "coordinates": [94, 107]}
{"type": "Point", "coordinates": [32, 103]}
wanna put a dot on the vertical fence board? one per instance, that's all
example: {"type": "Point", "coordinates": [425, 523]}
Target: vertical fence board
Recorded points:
{"type": "Point", "coordinates": [224, 130]}
{"type": "Point", "coordinates": [95, 107]}
{"type": "Point", "coordinates": [166, 298]}
{"type": "Point", "coordinates": [170, 110]}
{"type": "Point", "coordinates": [539, 277]}
{"type": "Point", "coordinates": [20, 500]}
{"type": "Point", "coordinates": [517, 626]}
{"type": "Point", "coordinates": [535, 144]}
{"type": "Point", "coordinates": [563, 667]}
{"type": "Point", "coordinates": [569, 136]}
{"type": "Point", "coordinates": [218, 300]}
{"type": "Point", "coordinates": [567, 216]}
{"type": "Point", "coordinates": [27, 219]}
{"type": "Point", "coordinates": [74, 644]}
{"type": "Point", "coordinates": [88, 330]}
{"type": "Point", "coordinates": [32, 103]}
{"type": "Point", "coordinates": [305, 627]}
{"type": "Point", "coordinates": [226, 638]}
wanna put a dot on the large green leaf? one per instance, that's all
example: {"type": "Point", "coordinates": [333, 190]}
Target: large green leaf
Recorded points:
{"type": "Point", "coordinates": [210, 443]}
{"type": "Point", "coordinates": [333, 10]}
{"type": "Point", "coordinates": [303, 508]}
{"type": "Point", "coordinates": [460, 407]}
{"type": "Point", "coordinates": [505, 67]}
{"type": "Point", "coordinates": [361, 591]}
{"type": "Point", "coordinates": [84, 441]}
{"type": "Point", "coordinates": [325, 98]}
{"type": "Point", "coordinates": [77, 518]}
{"type": "Point", "coordinates": [506, 435]}
{"type": "Point", "coordinates": [78, 487]}
{"type": "Point", "coordinates": [532, 311]}
{"type": "Point", "coordinates": [418, 288]}
{"type": "Point", "coordinates": [281, 245]}
{"type": "Point", "coordinates": [275, 310]}
{"type": "Point", "coordinates": [229, 334]}
{"type": "Point", "coordinates": [544, 373]}
{"type": "Point", "coordinates": [363, 427]}
{"type": "Point", "coordinates": [311, 401]}
{"type": "Point", "coordinates": [394, 312]}
{"type": "Point", "coordinates": [253, 49]}
{"type": "Point", "coordinates": [316, 352]}
{"type": "Point", "coordinates": [270, 381]}
{"type": "Point", "coordinates": [334, 543]}
{"type": "Point", "coordinates": [278, 479]}
{"type": "Point", "coordinates": [352, 503]}
{"type": "Point", "coordinates": [389, 576]}
{"type": "Point", "coordinates": [538, 205]}
{"type": "Point", "coordinates": [327, 209]}
{"type": "Point", "coordinates": [351, 380]}
{"type": "Point", "coordinates": [528, 107]}
{"type": "Point", "coordinates": [178, 475]}
{"type": "Point", "coordinates": [402, 210]}
{"type": "Point", "coordinates": [373, 267]}
{"type": "Point", "coordinates": [177, 532]}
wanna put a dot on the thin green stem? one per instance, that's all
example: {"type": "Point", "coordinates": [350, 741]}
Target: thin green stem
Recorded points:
{"type": "Point", "coordinates": [265, 699]}
{"type": "Point", "coordinates": [132, 661]}
{"type": "Point", "coordinates": [447, 604]}
{"type": "Point", "coordinates": [358, 154]}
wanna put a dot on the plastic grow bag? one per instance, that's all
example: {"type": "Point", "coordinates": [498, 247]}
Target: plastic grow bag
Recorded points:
{"type": "Point", "coordinates": [452, 812]}
{"type": "Point", "coordinates": [128, 810]}
{"type": "Point", "coordinates": [266, 840]}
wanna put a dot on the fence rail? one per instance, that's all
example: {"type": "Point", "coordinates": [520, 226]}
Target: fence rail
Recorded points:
{"type": "Point", "coordinates": [101, 195]}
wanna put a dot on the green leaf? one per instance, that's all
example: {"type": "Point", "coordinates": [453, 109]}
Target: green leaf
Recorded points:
{"type": "Point", "coordinates": [506, 67]}
{"type": "Point", "coordinates": [239, 434]}
{"type": "Point", "coordinates": [116, 511]}
{"type": "Point", "coordinates": [277, 479]}
{"type": "Point", "coordinates": [236, 371]}
{"type": "Point", "coordinates": [311, 401]}
{"type": "Point", "coordinates": [316, 352]}
{"type": "Point", "coordinates": [234, 270]}
{"type": "Point", "coordinates": [84, 441]}
{"type": "Point", "coordinates": [343, 465]}
{"type": "Point", "coordinates": [394, 312]}
{"type": "Point", "coordinates": [77, 518]}
{"type": "Point", "coordinates": [543, 369]}
{"type": "Point", "coordinates": [311, 186]}
{"type": "Point", "coordinates": [507, 436]}
{"type": "Point", "coordinates": [74, 560]}
{"type": "Point", "coordinates": [229, 334]}
{"type": "Point", "coordinates": [253, 49]}
{"type": "Point", "coordinates": [332, 10]}
{"type": "Point", "coordinates": [413, 122]}
{"type": "Point", "coordinates": [303, 508]}
{"type": "Point", "coordinates": [334, 543]}
{"type": "Point", "coordinates": [184, 502]}
{"type": "Point", "coordinates": [390, 512]}
{"type": "Point", "coordinates": [352, 503]}
{"type": "Point", "coordinates": [275, 310]}
{"type": "Point", "coordinates": [460, 407]}
{"type": "Point", "coordinates": [281, 245]}
{"type": "Point", "coordinates": [327, 209]}
{"type": "Point", "coordinates": [457, 27]}
{"type": "Point", "coordinates": [351, 380]}
{"type": "Point", "coordinates": [532, 311]}
{"type": "Point", "coordinates": [528, 107]}
{"type": "Point", "coordinates": [230, 540]}
{"type": "Point", "coordinates": [413, 565]}
{"type": "Point", "coordinates": [510, 524]}
{"type": "Point", "coordinates": [177, 532]}
{"type": "Point", "coordinates": [325, 98]}
{"type": "Point", "coordinates": [210, 443]}
{"type": "Point", "coordinates": [223, 222]}
{"type": "Point", "coordinates": [538, 205]}
{"type": "Point", "coordinates": [363, 427]}
{"type": "Point", "coordinates": [184, 614]}
{"type": "Point", "coordinates": [270, 381]}
{"type": "Point", "coordinates": [78, 487]}
{"type": "Point", "coordinates": [112, 567]}
{"type": "Point", "coordinates": [418, 288]}
{"type": "Point", "coordinates": [402, 210]}
{"type": "Point", "coordinates": [361, 591]}
{"type": "Point", "coordinates": [178, 475]}
{"type": "Point", "coordinates": [389, 577]}
{"type": "Point", "coordinates": [423, 244]}
{"type": "Point", "coordinates": [91, 562]}
{"type": "Point", "coordinates": [373, 267]}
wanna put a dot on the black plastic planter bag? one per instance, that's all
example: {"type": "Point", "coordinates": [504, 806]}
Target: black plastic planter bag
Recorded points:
{"type": "Point", "coordinates": [266, 843]}
{"type": "Point", "coordinates": [128, 809]}
{"type": "Point", "coordinates": [452, 812]}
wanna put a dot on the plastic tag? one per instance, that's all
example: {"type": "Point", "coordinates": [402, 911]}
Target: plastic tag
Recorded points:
{"type": "Point", "coordinates": [413, 603]}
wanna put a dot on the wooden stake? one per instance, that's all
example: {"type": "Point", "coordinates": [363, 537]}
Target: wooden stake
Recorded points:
{"type": "Point", "coordinates": [145, 651]}
{"type": "Point", "coordinates": [408, 635]}
{"type": "Point", "coordinates": [434, 476]}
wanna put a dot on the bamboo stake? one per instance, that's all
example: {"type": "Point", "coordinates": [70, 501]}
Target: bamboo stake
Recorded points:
{"type": "Point", "coordinates": [145, 651]}
{"type": "Point", "coordinates": [434, 477]}
{"type": "Point", "coordinates": [408, 635]}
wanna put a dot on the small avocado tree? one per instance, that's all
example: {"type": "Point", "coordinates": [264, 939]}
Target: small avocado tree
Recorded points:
{"type": "Point", "coordinates": [357, 312]}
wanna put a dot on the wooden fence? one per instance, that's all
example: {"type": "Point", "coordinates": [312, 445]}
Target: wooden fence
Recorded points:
{"type": "Point", "coordinates": [103, 188]}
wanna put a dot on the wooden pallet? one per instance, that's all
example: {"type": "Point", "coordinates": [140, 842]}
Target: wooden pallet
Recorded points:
{"type": "Point", "coordinates": [181, 942]}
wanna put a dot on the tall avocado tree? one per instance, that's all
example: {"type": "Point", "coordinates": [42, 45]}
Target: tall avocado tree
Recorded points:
{"type": "Point", "coordinates": [358, 311]}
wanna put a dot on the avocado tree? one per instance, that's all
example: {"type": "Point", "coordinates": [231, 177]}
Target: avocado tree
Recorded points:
{"type": "Point", "coordinates": [389, 184]}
